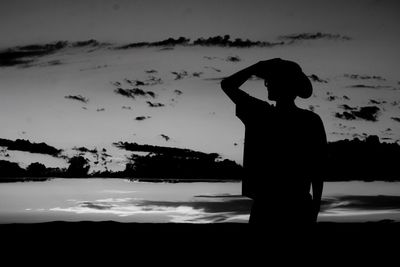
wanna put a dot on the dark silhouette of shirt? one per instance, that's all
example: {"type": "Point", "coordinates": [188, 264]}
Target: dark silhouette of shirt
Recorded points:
{"type": "Point", "coordinates": [283, 152]}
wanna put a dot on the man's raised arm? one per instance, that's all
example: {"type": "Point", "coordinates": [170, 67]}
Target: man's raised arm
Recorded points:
{"type": "Point", "coordinates": [231, 84]}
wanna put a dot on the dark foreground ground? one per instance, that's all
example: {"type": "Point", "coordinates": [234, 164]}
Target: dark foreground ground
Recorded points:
{"type": "Point", "coordinates": [199, 242]}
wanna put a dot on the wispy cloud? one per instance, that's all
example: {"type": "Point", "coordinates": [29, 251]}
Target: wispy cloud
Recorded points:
{"type": "Point", "coordinates": [26, 145]}
{"type": "Point", "coordinates": [166, 42]}
{"type": "Point", "coordinates": [226, 41]}
{"type": "Point", "coordinates": [79, 98]}
{"type": "Point", "coordinates": [142, 118]}
{"type": "Point", "coordinates": [213, 68]}
{"type": "Point", "coordinates": [23, 55]}
{"type": "Point", "coordinates": [85, 150]}
{"type": "Point", "coordinates": [197, 74]}
{"type": "Point", "coordinates": [365, 86]}
{"type": "Point", "coordinates": [28, 54]}
{"type": "Point", "coordinates": [180, 75]}
{"type": "Point", "coordinates": [376, 102]}
{"type": "Point", "coordinates": [165, 137]}
{"type": "Point", "coordinates": [364, 77]}
{"type": "Point", "coordinates": [134, 92]}
{"type": "Point", "coordinates": [315, 78]}
{"type": "Point", "coordinates": [178, 92]}
{"type": "Point", "coordinates": [368, 113]}
{"type": "Point", "coordinates": [233, 59]}
{"type": "Point", "coordinates": [174, 151]}
{"type": "Point", "coordinates": [222, 41]}
{"type": "Point", "coordinates": [347, 107]}
{"type": "Point", "coordinates": [313, 36]}
{"type": "Point", "coordinates": [396, 119]}
{"type": "Point", "coordinates": [152, 71]}
{"type": "Point", "coordinates": [154, 105]}
{"type": "Point", "coordinates": [152, 80]}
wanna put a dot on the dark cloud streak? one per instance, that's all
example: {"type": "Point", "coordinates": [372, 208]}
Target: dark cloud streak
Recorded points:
{"type": "Point", "coordinates": [26, 145]}
{"type": "Point", "coordinates": [368, 113]}
{"type": "Point", "coordinates": [313, 36]}
{"type": "Point", "coordinates": [77, 98]}
{"type": "Point", "coordinates": [134, 92]}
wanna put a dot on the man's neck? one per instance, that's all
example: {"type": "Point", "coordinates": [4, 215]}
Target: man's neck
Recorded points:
{"type": "Point", "coordinates": [285, 105]}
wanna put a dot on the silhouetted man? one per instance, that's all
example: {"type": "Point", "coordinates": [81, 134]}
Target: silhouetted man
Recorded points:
{"type": "Point", "coordinates": [284, 145]}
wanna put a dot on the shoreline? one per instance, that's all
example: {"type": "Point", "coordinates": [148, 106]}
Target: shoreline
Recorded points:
{"type": "Point", "coordinates": [148, 180]}
{"type": "Point", "coordinates": [166, 180]}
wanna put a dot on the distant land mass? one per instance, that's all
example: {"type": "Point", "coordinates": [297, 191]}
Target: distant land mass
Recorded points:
{"type": "Point", "coordinates": [346, 160]}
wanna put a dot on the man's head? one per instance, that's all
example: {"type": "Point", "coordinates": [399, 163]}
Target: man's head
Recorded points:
{"type": "Point", "coordinates": [284, 79]}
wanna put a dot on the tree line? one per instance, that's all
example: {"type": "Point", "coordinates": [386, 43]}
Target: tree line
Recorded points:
{"type": "Point", "coordinates": [368, 160]}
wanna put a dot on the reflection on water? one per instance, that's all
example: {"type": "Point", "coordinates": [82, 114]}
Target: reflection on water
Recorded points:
{"type": "Point", "coordinates": [225, 208]}
{"type": "Point", "coordinates": [125, 201]}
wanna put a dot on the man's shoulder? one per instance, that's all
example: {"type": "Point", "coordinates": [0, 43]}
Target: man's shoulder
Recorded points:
{"type": "Point", "coordinates": [310, 114]}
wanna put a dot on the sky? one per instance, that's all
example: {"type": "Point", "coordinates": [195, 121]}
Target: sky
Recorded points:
{"type": "Point", "coordinates": [70, 97]}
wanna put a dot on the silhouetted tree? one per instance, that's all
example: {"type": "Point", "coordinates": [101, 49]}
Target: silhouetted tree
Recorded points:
{"type": "Point", "coordinates": [78, 167]}
{"type": "Point", "coordinates": [36, 169]}
{"type": "Point", "coordinates": [10, 169]}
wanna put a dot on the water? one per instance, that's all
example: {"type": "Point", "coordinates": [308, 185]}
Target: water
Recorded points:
{"type": "Point", "coordinates": [200, 202]}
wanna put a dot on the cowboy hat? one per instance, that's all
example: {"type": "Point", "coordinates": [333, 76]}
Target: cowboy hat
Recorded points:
{"type": "Point", "coordinates": [288, 73]}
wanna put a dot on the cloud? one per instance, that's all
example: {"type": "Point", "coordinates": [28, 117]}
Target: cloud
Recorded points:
{"type": "Point", "coordinates": [210, 58]}
{"type": "Point", "coordinates": [395, 103]}
{"type": "Point", "coordinates": [152, 80]}
{"type": "Point", "coordinates": [233, 59]}
{"type": "Point", "coordinates": [213, 68]}
{"type": "Point", "coordinates": [85, 150]}
{"type": "Point", "coordinates": [166, 42]}
{"type": "Point", "coordinates": [345, 115]}
{"type": "Point", "coordinates": [315, 78]}
{"type": "Point", "coordinates": [100, 109]}
{"type": "Point", "coordinates": [313, 36]}
{"type": "Point", "coordinates": [25, 55]}
{"type": "Point", "coordinates": [91, 42]}
{"type": "Point", "coordinates": [155, 105]}
{"type": "Point", "coordinates": [226, 41]}
{"type": "Point", "coordinates": [368, 113]}
{"type": "Point", "coordinates": [178, 92]}
{"type": "Point", "coordinates": [152, 71]}
{"type": "Point", "coordinates": [369, 86]}
{"type": "Point", "coordinates": [166, 137]}
{"type": "Point", "coordinates": [221, 41]}
{"type": "Point", "coordinates": [173, 151]}
{"type": "Point", "coordinates": [126, 107]}
{"type": "Point", "coordinates": [364, 77]}
{"type": "Point", "coordinates": [376, 102]}
{"type": "Point", "coordinates": [347, 107]}
{"type": "Point", "coordinates": [53, 63]}
{"type": "Point", "coordinates": [134, 92]}
{"type": "Point", "coordinates": [331, 98]}
{"type": "Point", "coordinates": [197, 74]}
{"type": "Point", "coordinates": [142, 118]}
{"type": "Point", "coordinates": [26, 145]}
{"type": "Point", "coordinates": [396, 119]}
{"type": "Point", "coordinates": [179, 75]}
{"type": "Point", "coordinates": [77, 98]}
